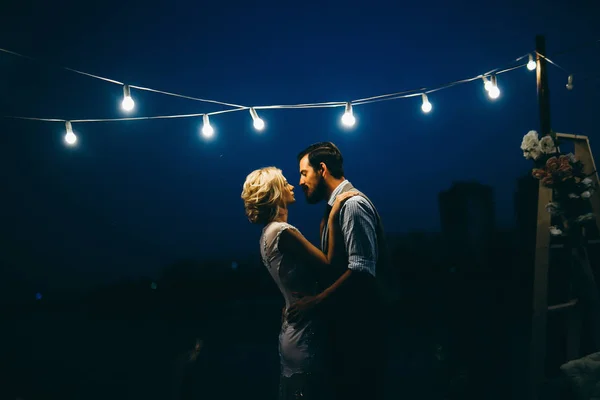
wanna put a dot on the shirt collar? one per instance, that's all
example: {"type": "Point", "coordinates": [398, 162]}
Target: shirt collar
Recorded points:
{"type": "Point", "coordinates": [337, 191]}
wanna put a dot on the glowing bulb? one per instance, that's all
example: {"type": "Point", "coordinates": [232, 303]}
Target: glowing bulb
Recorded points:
{"type": "Point", "coordinates": [258, 123]}
{"type": "Point", "coordinates": [493, 91]}
{"type": "Point", "coordinates": [128, 102]}
{"type": "Point", "coordinates": [348, 117]}
{"type": "Point", "coordinates": [531, 65]}
{"type": "Point", "coordinates": [70, 137]}
{"type": "Point", "coordinates": [487, 84]}
{"type": "Point", "coordinates": [207, 130]}
{"type": "Point", "coordinates": [426, 106]}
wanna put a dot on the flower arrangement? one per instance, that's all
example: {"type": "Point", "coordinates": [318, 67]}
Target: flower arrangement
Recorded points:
{"type": "Point", "coordinates": [562, 173]}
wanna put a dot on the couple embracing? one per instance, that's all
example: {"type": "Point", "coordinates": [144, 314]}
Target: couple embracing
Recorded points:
{"type": "Point", "coordinates": [333, 336]}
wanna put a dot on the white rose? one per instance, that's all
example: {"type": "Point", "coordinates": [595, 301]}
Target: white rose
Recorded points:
{"type": "Point", "coordinates": [572, 158]}
{"type": "Point", "coordinates": [547, 145]}
{"type": "Point", "coordinates": [535, 153]}
{"type": "Point", "coordinates": [554, 231]}
{"type": "Point", "coordinates": [586, 194]}
{"type": "Point", "coordinates": [587, 182]}
{"type": "Point", "coordinates": [530, 141]}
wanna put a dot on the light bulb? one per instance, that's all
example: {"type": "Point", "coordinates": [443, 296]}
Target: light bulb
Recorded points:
{"type": "Point", "coordinates": [494, 92]}
{"type": "Point", "coordinates": [426, 106]}
{"type": "Point", "coordinates": [487, 85]}
{"type": "Point", "coordinates": [70, 137]}
{"type": "Point", "coordinates": [570, 82]}
{"type": "Point", "coordinates": [258, 123]}
{"type": "Point", "coordinates": [348, 117]}
{"type": "Point", "coordinates": [207, 130]}
{"type": "Point", "coordinates": [127, 104]}
{"type": "Point", "coordinates": [531, 65]}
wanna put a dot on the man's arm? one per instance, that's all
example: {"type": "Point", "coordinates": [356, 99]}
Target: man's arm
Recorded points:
{"type": "Point", "coordinates": [358, 224]}
{"type": "Point", "coordinates": [359, 228]}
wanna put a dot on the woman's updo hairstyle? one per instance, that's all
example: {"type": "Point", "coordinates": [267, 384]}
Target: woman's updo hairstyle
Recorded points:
{"type": "Point", "coordinates": [263, 194]}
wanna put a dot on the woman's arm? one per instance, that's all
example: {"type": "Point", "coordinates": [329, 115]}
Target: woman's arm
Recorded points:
{"type": "Point", "coordinates": [292, 242]}
{"type": "Point", "coordinates": [334, 239]}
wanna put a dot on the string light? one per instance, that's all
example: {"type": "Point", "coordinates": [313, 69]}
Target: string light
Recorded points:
{"type": "Point", "coordinates": [70, 137]}
{"type": "Point", "coordinates": [121, 83]}
{"type": "Point", "coordinates": [258, 123]}
{"type": "Point", "coordinates": [348, 118]}
{"type": "Point", "coordinates": [487, 84]}
{"type": "Point", "coordinates": [426, 106]}
{"type": "Point", "coordinates": [207, 130]}
{"type": "Point", "coordinates": [570, 82]}
{"type": "Point", "coordinates": [127, 104]}
{"type": "Point", "coordinates": [494, 91]}
{"type": "Point", "coordinates": [531, 65]}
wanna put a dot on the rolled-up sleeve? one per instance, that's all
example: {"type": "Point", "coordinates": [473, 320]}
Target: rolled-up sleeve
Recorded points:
{"type": "Point", "coordinates": [358, 222]}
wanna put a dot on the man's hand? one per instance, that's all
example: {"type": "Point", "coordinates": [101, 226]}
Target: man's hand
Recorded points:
{"type": "Point", "coordinates": [301, 309]}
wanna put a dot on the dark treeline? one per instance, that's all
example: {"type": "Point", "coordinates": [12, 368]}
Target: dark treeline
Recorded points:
{"type": "Point", "coordinates": [457, 328]}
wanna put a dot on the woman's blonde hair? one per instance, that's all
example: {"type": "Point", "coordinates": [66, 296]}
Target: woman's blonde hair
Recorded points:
{"type": "Point", "coordinates": [263, 194]}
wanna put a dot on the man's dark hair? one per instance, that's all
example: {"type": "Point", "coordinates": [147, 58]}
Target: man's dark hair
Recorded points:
{"type": "Point", "coordinates": [327, 153]}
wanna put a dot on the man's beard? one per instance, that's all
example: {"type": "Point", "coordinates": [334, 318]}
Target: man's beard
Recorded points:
{"type": "Point", "coordinates": [318, 194]}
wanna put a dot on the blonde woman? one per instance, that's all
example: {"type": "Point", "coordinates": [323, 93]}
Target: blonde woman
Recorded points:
{"type": "Point", "coordinates": [295, 265]}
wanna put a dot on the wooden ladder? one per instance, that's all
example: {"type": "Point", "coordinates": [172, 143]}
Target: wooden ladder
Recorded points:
{"type": "Point", "coordinates": [588, 293]}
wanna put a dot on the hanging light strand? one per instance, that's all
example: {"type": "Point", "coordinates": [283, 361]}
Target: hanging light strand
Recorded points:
{"type": "Point", "coordinates": [123, 84]}
{"type": "Point", "coordinates": [552, 62]}
{"type": "Point", "coordinates": [367, 100]}
{"type": "Point", "coordinates": [237, 107]}
{"type": "Point", "coordinates": [348, 117]}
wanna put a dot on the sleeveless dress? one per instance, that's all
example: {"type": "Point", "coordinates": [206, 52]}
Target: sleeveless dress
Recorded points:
{"type": "Point", "coordinates": [301, 348]}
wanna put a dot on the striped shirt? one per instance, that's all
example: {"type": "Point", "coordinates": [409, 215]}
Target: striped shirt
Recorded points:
{"type": "Point", "coordinates": [358, 222]}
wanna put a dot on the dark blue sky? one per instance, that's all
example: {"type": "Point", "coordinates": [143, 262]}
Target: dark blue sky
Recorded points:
{"type": "Point", "coordinates": [135, 196]}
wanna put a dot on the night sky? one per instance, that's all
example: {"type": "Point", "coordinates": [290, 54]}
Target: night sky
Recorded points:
{"type": "Point", "coordinates": [133, 197]}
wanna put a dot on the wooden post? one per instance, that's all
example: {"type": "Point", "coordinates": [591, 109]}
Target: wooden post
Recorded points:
{"type": "Point", "coordinates": [542, 86]}
{"type": "Point", "coordinates": [537, 360]}
{"type": "Point", "coordinates": [583, 152]}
